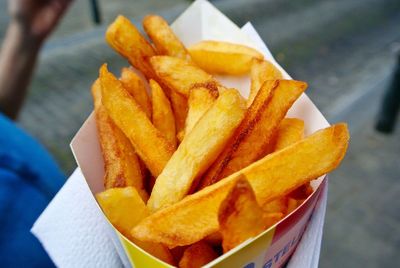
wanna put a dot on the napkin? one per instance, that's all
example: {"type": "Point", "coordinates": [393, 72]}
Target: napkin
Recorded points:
{"type": "Point", "coordinates": [73, 231]}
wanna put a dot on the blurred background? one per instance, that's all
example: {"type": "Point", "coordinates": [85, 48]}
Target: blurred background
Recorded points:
{"type": "Point", "coordinates": [346, 51]}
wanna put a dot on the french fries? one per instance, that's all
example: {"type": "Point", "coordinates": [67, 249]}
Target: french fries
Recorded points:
{"type": "Point", "coordinates": [200, 100]}
{"type": "Point", "coordinates": [135, 86]}
{"type": "Point", "coordinates": [126, 39]}
{"type": "Point", "coordinates": [261, 71]}
{"type": "Point", "coordinates": [121, 163]}
{"type": "Point", "coordinates": [239, 216]}
{"type": "Point", "coordinates": [163, 117]}
{"type": "Point", "coordinates": [178, 74]}
{"type": "Point", "coordinates": [149, 143]}
{"type": "Point", "coordinates": [164, 38]}
{"type": "Point", "coordinates": [197, 255]}
{"type": "Point", "coordinates": [218, 57]}
{"type": "Point", "coordinates": [223, 168]}
{"type": "Point", "coordinates": [271, 177]}
{"type": "Point", "coordinates": [257, 129]}
{"type": "Point", "coordinates": [124, 208]}
{"type": "Point", "coordinates": [198, 150]}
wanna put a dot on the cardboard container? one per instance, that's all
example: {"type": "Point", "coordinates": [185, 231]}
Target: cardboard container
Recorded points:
{"type": "Point", "coordinates": [273, 247]}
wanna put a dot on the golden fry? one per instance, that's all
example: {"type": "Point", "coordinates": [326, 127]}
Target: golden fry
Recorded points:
{"type": "Point", "coordinates": [197, 255]}
{"type": "Point", "coordinates": [275, 175]}
{"type": "Point", "coordinates": [257, 129]}
{"type": "Point", "coordinates": [126, 39]}
{"type": "Point", "coordinates": [261, 71]}
{"type": "Point", "coordinates": [200, 100]}
{"type": "Point", "coordinates": [164, 39]}
{"type": "Point", "coordinates": [218, 57]}
{"type": "Point", "coordinates": [180, 108]}
{"type": "Point", "coordinates": [124, 209]}
{"type": "Point", "coordinates": [278, 205]}
{"type": "Point", "coordinates": [149, 143]}
{"type": "Point", "coordinates": [290, 131]}
{"type": "Point", "coordinates": [198, 150]}
{"type": "Point", "coordinates": [135, 86]}
{"type": "Point", "coordinates": [178, 74]}
{"type": "Point", "coordinates": [240, 217]}
{"type": "Point", "coordinates": [271, 218]}
{"type": "Point", "coordinates": [163, 117]}
{"type": "Point", "coordinates": [121, 163]}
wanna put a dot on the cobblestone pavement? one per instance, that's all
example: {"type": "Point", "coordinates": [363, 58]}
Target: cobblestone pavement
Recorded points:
{"type": "Point", "coordinates": [343, 49]}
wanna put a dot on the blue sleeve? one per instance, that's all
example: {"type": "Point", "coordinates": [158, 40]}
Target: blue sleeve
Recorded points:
{"type": "Point", "coordinates": [29, 178]}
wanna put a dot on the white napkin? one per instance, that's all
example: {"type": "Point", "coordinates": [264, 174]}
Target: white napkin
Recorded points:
{"type": "Point", "coordinates": [72, 229]}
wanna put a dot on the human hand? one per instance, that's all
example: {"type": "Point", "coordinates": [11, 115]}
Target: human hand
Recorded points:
{"type": "Point", "coordinates": [36, 18]}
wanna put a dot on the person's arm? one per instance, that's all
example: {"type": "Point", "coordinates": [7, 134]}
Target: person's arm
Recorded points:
{"type": "Point", "coordinates": [31, 22]}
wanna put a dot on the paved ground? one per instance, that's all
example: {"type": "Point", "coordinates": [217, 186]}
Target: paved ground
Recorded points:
{"type": "Point", "coordinates": [344, 49]}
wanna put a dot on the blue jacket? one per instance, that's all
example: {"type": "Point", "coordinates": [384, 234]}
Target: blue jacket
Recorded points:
{"type": "Point", "coordinates": [29, 178]}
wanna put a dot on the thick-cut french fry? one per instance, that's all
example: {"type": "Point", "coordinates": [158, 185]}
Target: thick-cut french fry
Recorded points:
{"type": "Point", "coordinates": [126, 39]}
{"type": "Point", "coordinates": [302, 192]}
{"type": "Point", "coordinates": [164, 39]}
{"type": "Point", "coordinates": [218, 57]}
{"type": "Point", "coordinates": [179, 74]}
{"type": "Point", "coordinates": [239, 216]}
{"type": "Point", "coordinates": [257, 129]}
{"type": "Point", "coordinates": [200, 100]}
{"type": "Point", "coordinates": [197, 255]}
{"type": "Point", "coordinates": [149, 143]}
{"type": "Point", "coordinates": [293, 204]}
{"type": "Point", "coordinates": [275, 175]}
{"type": "Point", "coordinates": [278, 205]}
{"type": "Point", "coordinates": [261, 71]}
{"type": "Point", "coordinates": [198, 150]}
{"type": "Point", "coordinates": [180, 108]}
{"type": "Point", "coordinates": [163, 116]}
{"type": "Point", "coordinates": [124, 209]}
{"type": "Point", "coordinates": [272, 218]}
{"type": "Point", "coordinates": [135, 86]}
{"type": "Point", "coordinates": [290, 131]}
{"type": "Point", "coordinates": [121, 163]}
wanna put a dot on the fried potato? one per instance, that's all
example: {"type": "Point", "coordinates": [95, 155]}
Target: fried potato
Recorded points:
{"type": "Point", "coordinates": [302, 192]}
{"type": "Point", "coordinates": [180, 107]}
{"type": "Point", "coordinates": [261, 71]}
{"type": "Point", "coordinates": [293, 204]}
{"type": "Point", "coordinates": [164, 39]}
{"type": "Point", "coordinates": [278, 205]}
{"type": "Point", "coordinates": [178, 74]}
{"type": "Point", "coordinates": [200, 100]}
{"type": "Point", "coordinates": [197, 255]}
{"type": "Point", "coordinates": [239, 216]}
{"type": "Point", "coordinates": [126, 39]}
{"type": "Point", "coordinates": [271, 218]}
{"type": "Point", "coordinates": [121, 163]}
{"type": "Point", "coordinates": [163, 116]}
{"type": "Point", "coordinates": [257, 129]}
{"type": "Point", "coordinates": [218, 57]}
{"type": "Point", "coordinates": [290, 131]}
{"type": "Point", "coordinates": [135, 86]}
{"type": "Point", "coordinates": [198, 150]}
{"type": "Point", "coordinates": [274, 176]}
{"type": "Point", "coordinates": [124, 209]}
{"type": "Point", "coordinates": [149, 143]}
